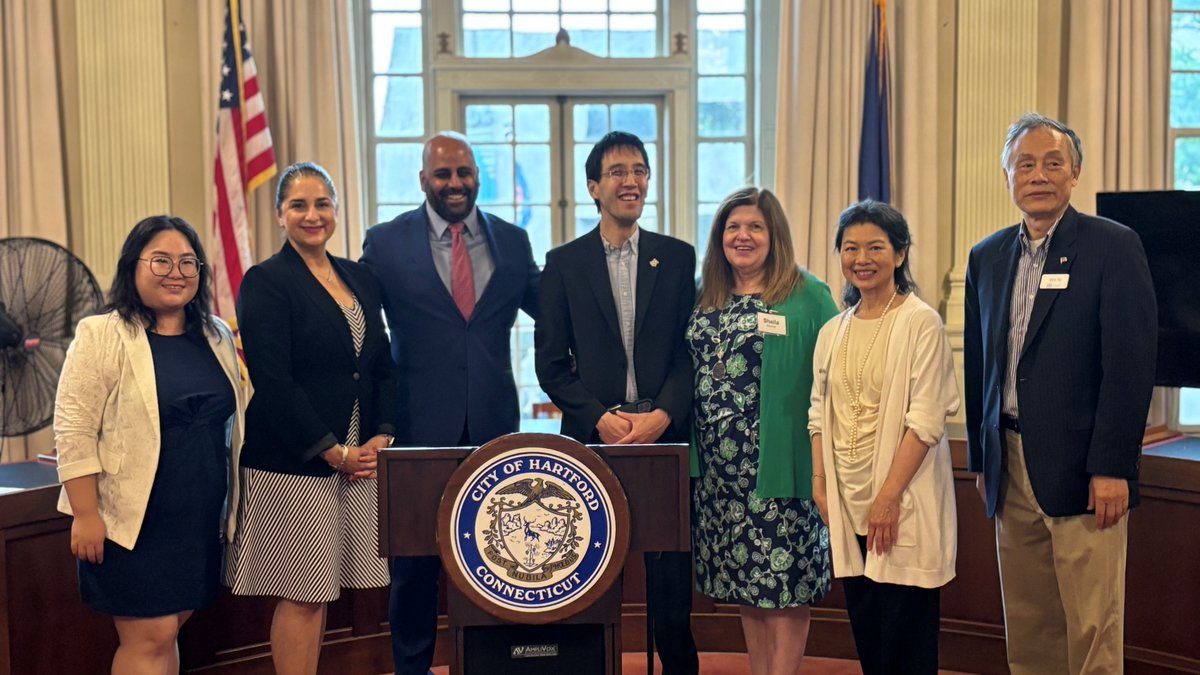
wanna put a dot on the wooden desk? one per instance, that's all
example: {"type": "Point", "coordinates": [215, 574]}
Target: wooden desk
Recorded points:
{"type": "Point", "coordinates": [1162, 594]}
{"type": "Point", "coordinates": [45, 628]}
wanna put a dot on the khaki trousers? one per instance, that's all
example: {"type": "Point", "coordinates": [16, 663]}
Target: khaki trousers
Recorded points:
{"type": "Point", "coordinates": [1063, 582]}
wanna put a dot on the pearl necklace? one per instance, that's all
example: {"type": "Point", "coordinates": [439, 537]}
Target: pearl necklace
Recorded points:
{"type": "Point", "coordinates": [855, 393]}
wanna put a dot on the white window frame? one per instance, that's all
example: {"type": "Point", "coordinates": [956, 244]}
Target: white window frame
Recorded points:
{"type": "Point", "coordinates": [570, 71]}
{"type": "Point", "coordinates": [574, 72]}
{"type": "Point", "coordinates": [1174, 394]}
{"type": "Point", "coordinates": [366, 112]}
{"type": "Point", "coordinates": [661, 38]}
{"type": "Point", "coordinates": [751, 137]}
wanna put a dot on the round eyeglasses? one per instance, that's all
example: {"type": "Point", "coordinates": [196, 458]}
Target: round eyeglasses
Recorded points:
{"type": "Point", "coordinates": [619, 174]}
{"type": "Point", "coordinates": [161, 266]}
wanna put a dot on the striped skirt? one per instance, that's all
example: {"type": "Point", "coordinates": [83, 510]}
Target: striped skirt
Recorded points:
{"type": "Point", "coordinates": [304, 538]}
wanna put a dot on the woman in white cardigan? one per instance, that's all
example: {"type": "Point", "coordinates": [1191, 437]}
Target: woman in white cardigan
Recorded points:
{"type": "Point", "coordinates": [148, 423]}
{"type": "Point", "coordinates": [882, 478]}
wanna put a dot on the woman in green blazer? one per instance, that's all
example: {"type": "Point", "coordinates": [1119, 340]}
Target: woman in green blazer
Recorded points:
{"type": "Point", "coordinates": [758, 538]}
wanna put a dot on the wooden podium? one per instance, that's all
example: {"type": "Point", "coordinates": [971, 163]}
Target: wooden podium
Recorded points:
{"type": "Point", "coordinates": [655, 481]}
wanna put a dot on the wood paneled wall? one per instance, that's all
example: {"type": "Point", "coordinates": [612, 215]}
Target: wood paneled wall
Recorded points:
{"type": "Point", "coordinates": [44, 627]}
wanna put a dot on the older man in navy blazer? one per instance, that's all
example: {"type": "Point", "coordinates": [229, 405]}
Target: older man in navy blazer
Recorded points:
{"type": "Point", "coordinates": [1059, 354]}
{"type": "Point", "coordinates": [453, 278]}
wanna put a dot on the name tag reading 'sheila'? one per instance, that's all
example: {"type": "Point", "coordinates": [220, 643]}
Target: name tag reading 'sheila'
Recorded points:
{"type": "Point", "coordinates": [772, 324]}
{"type": "Point", "coordinates": [1055, 282]}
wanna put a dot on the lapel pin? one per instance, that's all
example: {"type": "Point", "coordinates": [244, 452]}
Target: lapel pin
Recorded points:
{"type": "Point", "coordinates": [1062, 260]}
{"type": "Point", "coordinates": [654, 262]}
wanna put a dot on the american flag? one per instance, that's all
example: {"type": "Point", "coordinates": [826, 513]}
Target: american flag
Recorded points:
{"type": "Point", "coordinates": [244, 160]}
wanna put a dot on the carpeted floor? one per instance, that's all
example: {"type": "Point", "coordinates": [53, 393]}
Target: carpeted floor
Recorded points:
{"type": "Point", "coordinates": [716, 663]}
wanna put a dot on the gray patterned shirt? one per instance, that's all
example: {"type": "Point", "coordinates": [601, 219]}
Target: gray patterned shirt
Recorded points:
{"type": "Point", "coordinates": [622, 276]}
{"type": "Point", "coordinates": [1024, 291]}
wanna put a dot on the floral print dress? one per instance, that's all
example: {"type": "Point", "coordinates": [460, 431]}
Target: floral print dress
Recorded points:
{"type": "Point", "coordinates": [749, 550]}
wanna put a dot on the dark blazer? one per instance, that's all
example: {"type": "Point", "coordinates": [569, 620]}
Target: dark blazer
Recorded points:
{"type": "Point", "coordinates": [300, 356]}
{"type": "Point", "coordinates": [1086, 369]}
{"type": "Point", "coordinates": [451, 371]}
{"type": "Point", "coordinates": [579, 353]}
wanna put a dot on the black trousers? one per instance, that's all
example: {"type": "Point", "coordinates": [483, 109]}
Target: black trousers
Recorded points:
{"type": "Point", "coordinates": [412, 606]}
{"type": "Point", "coordinates": [412, 612]}
{"type": "Point", "coordinates": [669, 606]}
{"type": "Point", "coordinates": [895, 627]}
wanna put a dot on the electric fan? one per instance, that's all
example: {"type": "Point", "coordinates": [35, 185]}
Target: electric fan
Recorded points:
{"type": "Point", "coordinates": [44, 292]}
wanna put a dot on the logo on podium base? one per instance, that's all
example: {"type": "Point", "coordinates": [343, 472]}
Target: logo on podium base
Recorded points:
{"type": "Point", "coordinates": [533, 527]}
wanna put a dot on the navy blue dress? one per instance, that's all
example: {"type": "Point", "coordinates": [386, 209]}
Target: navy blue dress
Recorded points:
{"type": "Point", "coordinates": [755, 551]}
{"type": "Point", "coordinates": [176, 563]}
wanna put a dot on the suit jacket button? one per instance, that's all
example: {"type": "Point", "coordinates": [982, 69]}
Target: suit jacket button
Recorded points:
{"type": "Point", "coordinates": [356, 376]}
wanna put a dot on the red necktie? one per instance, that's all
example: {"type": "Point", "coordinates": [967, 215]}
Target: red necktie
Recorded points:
{"type": "Point", "coordinates": [462, 278]}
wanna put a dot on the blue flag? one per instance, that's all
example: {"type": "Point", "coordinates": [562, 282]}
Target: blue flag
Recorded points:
{"type": "Point", "coordinates": [875, 152]}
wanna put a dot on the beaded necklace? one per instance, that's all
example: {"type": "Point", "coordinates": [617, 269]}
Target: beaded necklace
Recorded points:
{"type": "Point", "coordinates": [855, 393]}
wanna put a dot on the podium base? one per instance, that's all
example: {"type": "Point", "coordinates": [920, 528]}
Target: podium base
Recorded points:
{"type": "Point", "coordinates": [553, 649]}
{"type": "Point", "coordinates": [585, 644]}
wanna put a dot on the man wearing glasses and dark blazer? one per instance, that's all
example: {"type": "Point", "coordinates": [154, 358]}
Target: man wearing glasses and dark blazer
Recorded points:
{"type": "Point", "coordinates": [611, 354]}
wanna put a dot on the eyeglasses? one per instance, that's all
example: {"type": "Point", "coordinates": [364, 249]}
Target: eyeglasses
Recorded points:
{"type": "Point", "coordinates": [620, 173]}
{"type": "Point", "coordinates": [161, 266]}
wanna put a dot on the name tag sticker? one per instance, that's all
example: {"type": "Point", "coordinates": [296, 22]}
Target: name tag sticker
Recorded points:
{"type": "Point", "coordinates": [772, 324]}
{"type": "Point", "coordinates": [1055, 282]}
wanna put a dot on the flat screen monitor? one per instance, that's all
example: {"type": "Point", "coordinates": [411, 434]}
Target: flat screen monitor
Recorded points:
{"type": "Point", "coordinates": [1169, 224]}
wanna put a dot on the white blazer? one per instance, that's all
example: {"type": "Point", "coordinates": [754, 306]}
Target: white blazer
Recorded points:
{"type": "Point", "coordinates": [919, 392]}
{"type": "Point", "coordinates": [106, 420]}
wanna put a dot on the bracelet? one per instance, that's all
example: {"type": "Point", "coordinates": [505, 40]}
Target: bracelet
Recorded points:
{"type": "Point", "coordinates": [345, 455]}
{"type": "Point", "coordinates": [819, 475]}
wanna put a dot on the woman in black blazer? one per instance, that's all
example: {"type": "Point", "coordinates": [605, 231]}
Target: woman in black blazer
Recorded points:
{"type": "Point", "coordinates": [314, 343]}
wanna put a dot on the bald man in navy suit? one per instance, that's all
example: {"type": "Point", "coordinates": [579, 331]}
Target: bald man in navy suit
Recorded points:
{"type": "Point", "coordinates": [454, 375]}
